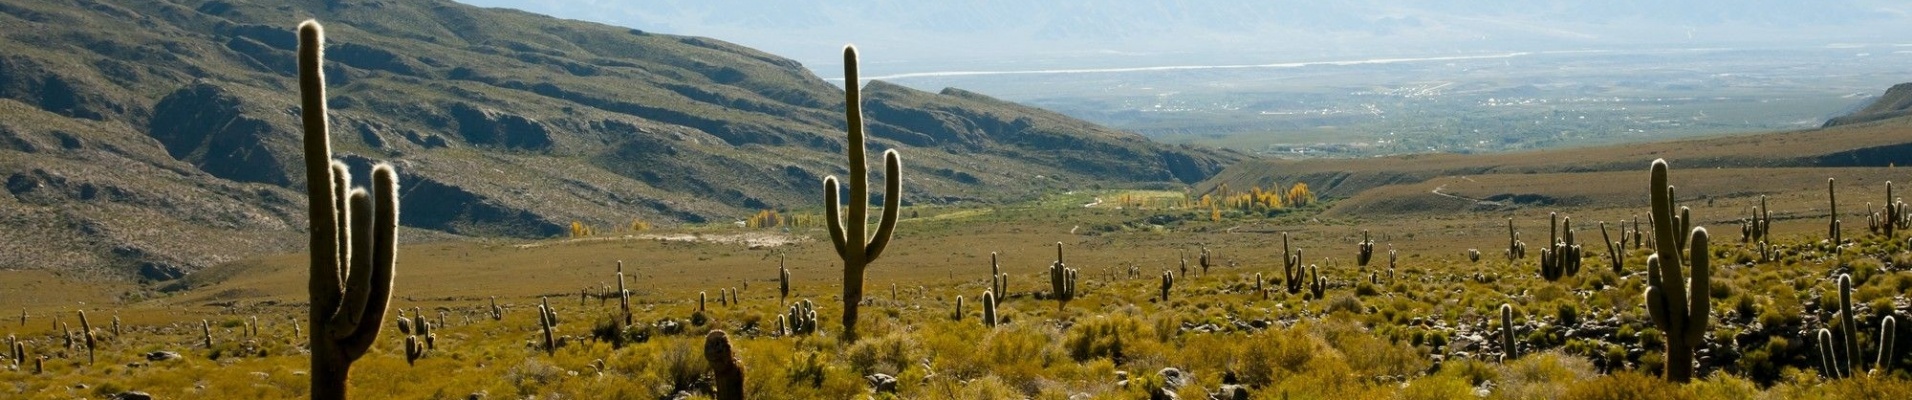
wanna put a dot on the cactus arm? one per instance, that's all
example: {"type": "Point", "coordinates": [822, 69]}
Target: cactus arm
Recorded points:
{"type": "Point", "coordinates": [833, 216]}
{"type": "Point", "coordinates": [351, 307]}
{"type": "Point", "coordinates": [384, 256]}
{"type": "Point", "coordinates": [892, 205]}
{"type": "Point", "coordinates": [324, 221]}
{"type": "Point", "coordinates": [1697, 307]}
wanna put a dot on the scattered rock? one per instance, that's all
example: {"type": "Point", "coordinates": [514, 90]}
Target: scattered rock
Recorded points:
{"type": "Point", "coordinates": [882, 383]}
{"type": "Point", "coordinates": [162, 356]}
{"type": "Point", "coordinates": [1174, 378]}
{"type": "Point", "coordinates": [132, 395]}
{"type": "Point", "coordinates": [1230, 392]}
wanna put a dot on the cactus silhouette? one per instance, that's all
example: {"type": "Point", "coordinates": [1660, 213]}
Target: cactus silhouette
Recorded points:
{"type": "Point", "coordinates": [1680, 312]}
{"type": "Point", "coordinates": [546, 321]}
{"type": "Point", "coordinates": [857, 250]}
{"type": "Point", "coordinates": [1168, 282]}
{"type": "Point", "coordinates": [1832, 204]}
{"type": "Point", "coordinates": [1615, 251]}
{"type": "Point", "coordinates": [353, 237]}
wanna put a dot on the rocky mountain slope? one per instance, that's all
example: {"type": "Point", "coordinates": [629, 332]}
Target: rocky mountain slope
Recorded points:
{"type": "Point", "coordinates": [159, 137]}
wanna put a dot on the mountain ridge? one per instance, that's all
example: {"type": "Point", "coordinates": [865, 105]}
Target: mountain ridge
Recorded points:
{"type": "Point", "coordinates": [502, 123]}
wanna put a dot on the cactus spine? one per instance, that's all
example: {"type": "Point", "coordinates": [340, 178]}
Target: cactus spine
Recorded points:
{"type": "Point", "coordinates": [353, 237]}
{"type": "Point", "coordinates": [729, 373]}
{"type": "Point", "coordinates": [852, 246]}
{"type": "Point", "coordinates": [1508, 347]}
{"type": "Point", "coordinates": [1364, 250]}
{"type": "Point", "coordinates": [1680, 312]}
{"type": "Point", "coordinates": [1062, 279]}
{"type": "Point", "coordinates": [989, 308]}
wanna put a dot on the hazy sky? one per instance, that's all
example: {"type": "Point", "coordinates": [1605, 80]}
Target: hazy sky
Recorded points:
{"type": "Point", "coordinates": [904, 36]}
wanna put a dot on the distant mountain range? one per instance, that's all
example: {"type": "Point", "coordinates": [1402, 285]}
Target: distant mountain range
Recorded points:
{"type": "Point", "coordinates": [924, 36]}
{"type": "Point", "coordinates": [154, 138]}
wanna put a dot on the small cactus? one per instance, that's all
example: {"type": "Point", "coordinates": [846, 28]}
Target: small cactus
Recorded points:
{"type": "Point", "coordinates": [206, 327]}
{"type": "Point", "coordinates": [497, 313]}
{"type": "Point", "coordinates": [1315, 286]}
{"type": "Point", "coordinates": [1888, 338]}
{"type": "Point", "coordinates": [86, 333]}
{"type": "Point", "coordinates": [701, 297]}
{"type": "Point", "coordinates": [1508, 347]}
{"type": "Point", "coordinates": [1892, 216]}
{"type": "Point", "coordinates": [989, 309]}
{"type": "Point", "coordinates": [545, 322]}
{"type": "Point", "coordinates": [724, 367]}
{"type": "Point", "coordinates": [1832, 204]}
{"type": "Point", "coordinates": [623, 296]}
{"type": "Point", "coordinates": [1615, 251]}
{"type": "Point", "coordinates": [1203, 260]}
{"type": "Point", "coordinates": [1168, 282]}
{"type": "Point", "coordinates": [1062, 279]}
{"type": "Point", "coordinates": [958, 315]}
{"type": "Point", "coordinates": [1473, 255]}
{"type": "Point", "coordinates": [783, 281]}
{"type": "Point", "coordinates": [803, 317]}
{"type": "Point", "coordinates": [413, 350]}
{"type": "Point", "coordinates": [424, 329]}
{"type": "Point", "coordinates": [1828, 356]}
{"type": "Point", "coordinates": [1364, 250]}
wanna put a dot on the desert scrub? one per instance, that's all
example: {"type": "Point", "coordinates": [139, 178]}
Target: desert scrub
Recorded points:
{"type": "Point", "coordinates": [890, 354]}
{"type": "Point", "coordinates": [1103, 336]}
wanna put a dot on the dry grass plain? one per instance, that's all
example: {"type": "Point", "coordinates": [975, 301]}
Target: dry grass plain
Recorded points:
{"type": "Point", "coordinates": [1369, 336]}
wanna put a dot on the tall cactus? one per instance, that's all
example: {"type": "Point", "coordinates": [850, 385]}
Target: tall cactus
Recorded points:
{"type": "Point", "coordinates": [1848, 339]}
{"type": "Point", "coordinates": [857, 250]}
{"type": "Point", "coordinates": [1828, 356]}
{"type": "Point", "coordinates": [353, 241]}
{"type": "Point", "coordinates": [1516, 249]}
{"type": "Point", "coordinates": [86, 334]}
{"type": "Point", "coordinates": [1615, 251]}
{"type": "Point", "coordinates": [1680, 312]}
